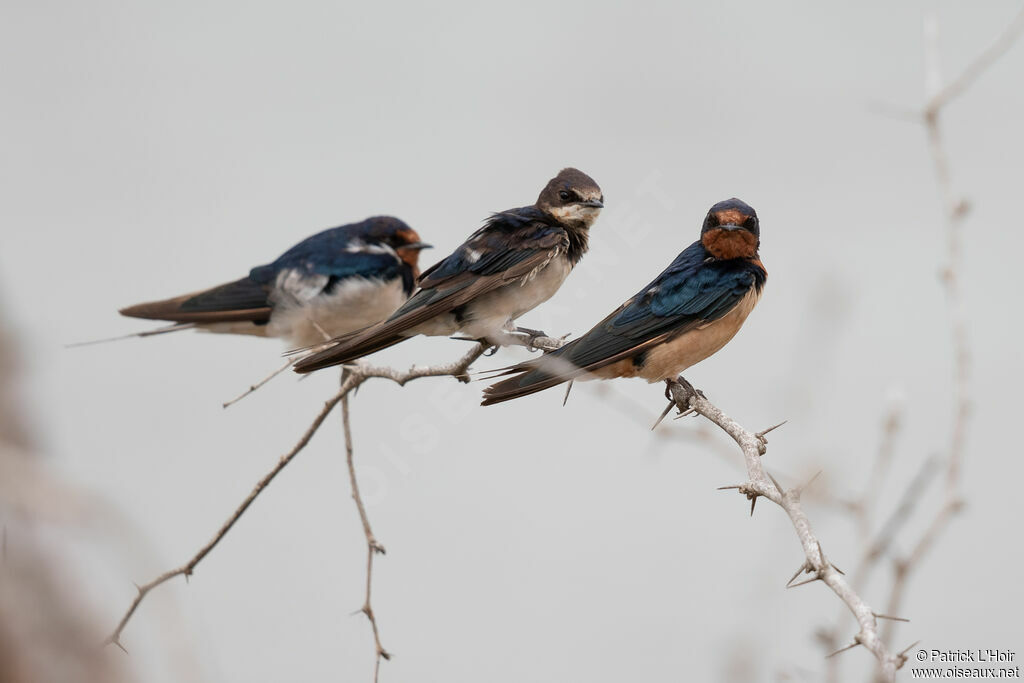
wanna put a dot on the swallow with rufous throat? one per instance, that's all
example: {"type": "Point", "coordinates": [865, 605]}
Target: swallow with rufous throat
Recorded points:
{"type": "Point", "coordinates": [689, 312]}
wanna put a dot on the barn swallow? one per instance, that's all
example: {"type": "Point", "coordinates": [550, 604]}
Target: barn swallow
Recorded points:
{"type": "Point", "coordinates": [516, 261]}
{"type": "Point", "coordinates": [686, 314]}
{"type": "Point", "coordinates": [336, 281]}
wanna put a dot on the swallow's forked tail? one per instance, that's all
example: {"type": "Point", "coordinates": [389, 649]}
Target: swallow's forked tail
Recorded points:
{"type": "Point", "coordinates": [535, 375]}
{"type": "Point", "coordinates": [346, 349]}
{"type": "Point", "coordinates": [175, 327]}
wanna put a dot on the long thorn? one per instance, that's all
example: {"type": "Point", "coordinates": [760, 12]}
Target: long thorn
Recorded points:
{"type": "Point", "coordinates": [761, 433]}
{"type": "Point", "coordinates": [886, 616]}
{"type": "Point", "coordinates": [799, 571]}
{"type": "Point", "coordinates": [843, 649]}
{"type": "Point", "coordinates": [664, 413]}
{"type": "Point", "coordinates": [814, 578]}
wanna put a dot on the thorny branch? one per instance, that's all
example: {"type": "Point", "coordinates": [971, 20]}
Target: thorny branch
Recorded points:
{"type": "Point", "coordinates": [354, 377]}
{"type": "Point", "coordinates": [760, 484]}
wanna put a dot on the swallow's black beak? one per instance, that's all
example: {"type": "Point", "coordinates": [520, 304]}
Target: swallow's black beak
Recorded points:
{"type": "Point", "coordinates": [593, 203]}
{"type": "Point", "coordinates": [730, 227]}
{"type": "Point", "coordinates": [418, 245]}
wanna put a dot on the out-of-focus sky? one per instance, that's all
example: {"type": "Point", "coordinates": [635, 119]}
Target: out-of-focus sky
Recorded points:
{"type": "Point", "coordinates": [156, 148]}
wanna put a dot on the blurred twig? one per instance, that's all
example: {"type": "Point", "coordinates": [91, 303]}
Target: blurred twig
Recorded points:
{"type": "Point", "coordinates": [955, 210]}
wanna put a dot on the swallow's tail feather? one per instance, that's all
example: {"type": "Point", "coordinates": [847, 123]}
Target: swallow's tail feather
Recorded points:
{"type": "Point", "coordinates": [524, 384]}
{"type": "Point", "coordinates": [530, 377]}
{"type": "Point", "coordinates": [346, 349]}
{"type": "Point", "coordinates": [174, 327]}
{"type": "Point", "coordinates": [241, 300]}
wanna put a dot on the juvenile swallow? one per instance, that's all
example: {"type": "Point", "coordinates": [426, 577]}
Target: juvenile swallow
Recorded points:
{"type": "Point", "coordinates": [516, 261]}
{"type": "Point", "coordinates": [690, 311]}
{"type": "Point", "coordinates": [336, 281]}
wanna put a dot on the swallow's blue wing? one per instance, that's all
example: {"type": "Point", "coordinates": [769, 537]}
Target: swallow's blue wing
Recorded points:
{"type": "Point", "coordinates": [313, 266]}
{"type": "Point", "coordinates": [507, 249]}
{"type": "Point", "coordinates": [510, 245]}
{"type": "Point", "coordinates": [690, 292]}
{"type": "Point", "coordinates": [319, 263]}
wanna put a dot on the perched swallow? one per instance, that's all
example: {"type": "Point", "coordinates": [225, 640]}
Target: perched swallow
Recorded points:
{"type": "Point", "coordinates": [336, 281]}
{"type": "Point", "coordinates": [686, 314]}
{"type": "Point", "coordinates": [516, 261]}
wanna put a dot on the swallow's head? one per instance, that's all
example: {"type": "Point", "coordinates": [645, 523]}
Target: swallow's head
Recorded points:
{"type": "Point", "coordinates": [731, 230]}
{"type": "Point", "coordinates": [572, 198]}
{"type": "Point", "coordinates": [397, 235]}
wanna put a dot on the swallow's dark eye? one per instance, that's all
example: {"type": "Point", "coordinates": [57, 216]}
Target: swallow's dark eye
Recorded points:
{"type": "Point", "coordinates": [564, 196]}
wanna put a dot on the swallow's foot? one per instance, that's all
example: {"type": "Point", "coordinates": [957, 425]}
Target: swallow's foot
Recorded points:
{"type": "Point", "coordinates": [492, 345]}
{"type": "Point", "coordinates": [689, 391]}
{"type": "Point", "coordinates": [530, 333]}
{"type": "Point", "coordinates": [690, 388]}
{"type": "Point", "coordinates": [533, 340]}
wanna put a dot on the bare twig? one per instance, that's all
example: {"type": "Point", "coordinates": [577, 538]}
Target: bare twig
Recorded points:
{"type": "Point", "coordinates": [259, 384]}
{"type": "Point", "coordinates": [187, 568]}
{"type": "Point", "coordinates": [354, 378]}
{"type": "Point", "coordinates": [760, 484]}
{"type": "Point", "coordinates": [372, 545]}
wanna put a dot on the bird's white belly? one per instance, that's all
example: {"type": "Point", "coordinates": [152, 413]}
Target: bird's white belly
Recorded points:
{"type": "Point", "coordinates": [489, 314]}
{"type": "Point", "coordinates": [353, 304]}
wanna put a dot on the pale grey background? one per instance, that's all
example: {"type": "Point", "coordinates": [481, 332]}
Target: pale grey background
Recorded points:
{"type": "Point", "coordinates": [153, 148]}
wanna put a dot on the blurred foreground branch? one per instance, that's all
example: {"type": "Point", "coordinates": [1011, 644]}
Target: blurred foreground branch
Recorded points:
{"type": "Point", "coordinates": [48, 622]}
